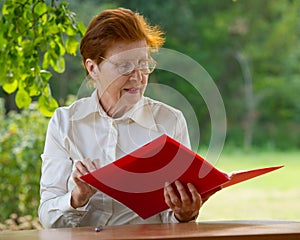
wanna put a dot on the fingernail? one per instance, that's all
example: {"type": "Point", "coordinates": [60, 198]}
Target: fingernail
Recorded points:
{"type": "Point", "coordinates": [167, 184]}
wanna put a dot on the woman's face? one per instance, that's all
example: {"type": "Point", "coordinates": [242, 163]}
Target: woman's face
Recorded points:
{"type": "Point", "coordinates": [117, 92]}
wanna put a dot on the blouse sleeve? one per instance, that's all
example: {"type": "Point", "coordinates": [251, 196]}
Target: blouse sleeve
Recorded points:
{"type": "Point", "coordinates": [181, 131]}
{"type": "Point", "coordinates": [55, 209]}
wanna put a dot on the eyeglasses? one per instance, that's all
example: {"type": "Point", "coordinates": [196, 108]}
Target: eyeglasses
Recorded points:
{"type": "Point", "coordinates": [127, 67]}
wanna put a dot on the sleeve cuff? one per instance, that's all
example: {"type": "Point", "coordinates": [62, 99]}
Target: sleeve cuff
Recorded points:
{"type": "Point", "coordinates": [66, 204]}
{"type": "Point", "coordinates": [174, 219]}
{"type": "Point", "coordinates": [178, 221]}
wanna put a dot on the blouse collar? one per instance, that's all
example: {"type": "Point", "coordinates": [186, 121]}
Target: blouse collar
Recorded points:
{"type": "Point", "coordinates": [140, 113]}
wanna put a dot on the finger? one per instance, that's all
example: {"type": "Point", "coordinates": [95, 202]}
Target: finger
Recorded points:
{"type": "Point", "coordinates": [81, 168]}
{"type": "Point", "coordinates": [167, 197]}
{"type": "Point", "coordinates": [185, 198]}
{"type": "Point", "coordinates": [76, 174]}
{"type": "Point", "coordinates": [196, 197]}
{"type": "Point", "coordinates": [90, 166]}
{"type": "Point", "coordinates": [76, 177]}
{"type": "Point", "coordinates": [175, 200]}
{"type": "Point", "coordinates": [97, 163]}
{"type": "Point", "coordinates": [81, 183]}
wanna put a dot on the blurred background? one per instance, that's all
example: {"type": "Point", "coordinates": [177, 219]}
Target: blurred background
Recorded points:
{"type": "Point", "coordinates": [250, 48]}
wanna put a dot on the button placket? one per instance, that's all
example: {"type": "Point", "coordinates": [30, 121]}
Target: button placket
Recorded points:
{"type": "Point", "coordinates": [112, 141]}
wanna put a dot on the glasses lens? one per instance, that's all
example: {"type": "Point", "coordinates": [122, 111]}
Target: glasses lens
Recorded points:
{"type": "Point", "coordinates": [126, 68]}
{"type": "Point", "coordinates": [145, 66]}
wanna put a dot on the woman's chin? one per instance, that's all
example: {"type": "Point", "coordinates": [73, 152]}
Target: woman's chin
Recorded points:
{"type": "Point", "coordinates": [131, 96]}
{"type": "Point", "coordinates": [125, 103]}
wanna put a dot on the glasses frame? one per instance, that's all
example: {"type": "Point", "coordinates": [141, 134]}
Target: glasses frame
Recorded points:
{"type": "Point", "coordinates": [136, 67]}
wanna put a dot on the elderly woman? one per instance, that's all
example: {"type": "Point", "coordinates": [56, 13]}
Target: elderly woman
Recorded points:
{"type": "Point", "coordinates": [115, 120]}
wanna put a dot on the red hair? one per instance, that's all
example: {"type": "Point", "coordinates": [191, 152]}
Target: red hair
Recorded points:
{"type": "Point", "coordinates": [117, 25]}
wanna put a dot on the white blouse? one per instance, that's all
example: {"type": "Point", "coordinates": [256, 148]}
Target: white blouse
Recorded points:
{"type": "Point", "coordinates": [84, 130]}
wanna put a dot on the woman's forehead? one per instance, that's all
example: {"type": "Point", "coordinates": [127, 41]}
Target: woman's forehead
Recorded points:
{"type": "Point", "coordinates": [127, 50]}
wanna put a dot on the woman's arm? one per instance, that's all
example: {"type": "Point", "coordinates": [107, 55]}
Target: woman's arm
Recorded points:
{"type": "Point", "coordinates": [56, 188]}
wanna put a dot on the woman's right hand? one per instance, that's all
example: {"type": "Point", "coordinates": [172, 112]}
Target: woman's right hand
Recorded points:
{"type": "Point", "coordinates": [82, 192]}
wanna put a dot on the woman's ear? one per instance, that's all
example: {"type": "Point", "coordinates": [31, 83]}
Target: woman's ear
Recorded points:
{"type": "Point", "coordinates": [92, 68]}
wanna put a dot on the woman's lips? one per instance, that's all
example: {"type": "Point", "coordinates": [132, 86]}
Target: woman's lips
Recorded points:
{"type": "Point", "coordinates": [133, 90]}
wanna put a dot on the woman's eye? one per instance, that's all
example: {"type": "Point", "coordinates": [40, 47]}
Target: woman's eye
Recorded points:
{"type": "Point", "coordinates": [143, 64]}
{"type": "Point", "coordinates": [125, 66]}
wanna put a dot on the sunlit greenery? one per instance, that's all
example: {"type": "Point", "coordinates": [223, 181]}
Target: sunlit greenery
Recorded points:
{"type": "Point", "coordinates": [34, 36]}
{"type": "Point", "coordinates": [21, 144]}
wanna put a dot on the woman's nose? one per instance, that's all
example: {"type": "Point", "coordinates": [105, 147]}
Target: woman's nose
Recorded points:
{"type": "Point", "coordinates": [136, 75]}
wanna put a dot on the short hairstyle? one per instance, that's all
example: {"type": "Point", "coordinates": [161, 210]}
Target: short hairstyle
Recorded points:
{"type": "Point", "coordinates": [114, 25]}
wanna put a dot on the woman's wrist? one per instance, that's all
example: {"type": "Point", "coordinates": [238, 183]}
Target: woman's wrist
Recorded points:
{"type": "Point", "coordinates": [182, 219]}
{"type": "Point", "coordinates": [77, 199]}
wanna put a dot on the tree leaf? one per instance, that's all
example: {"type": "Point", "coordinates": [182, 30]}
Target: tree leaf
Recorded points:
{"type": "Point", "coordinates": [47, 105]}
{"type": "Point", "coordinates": [70, 31]}
{"type": "Point", "coordinates": [60, 65]}
{"type": "Point", "coordinates": [10, 87]}
{"type": "Point", "coordinates": [40, 8]}
{"type": "Point", "coordinates": [72, 45]}
{"type": "Point", "coordinates": [45, 63]}
{"type": "Point", "coordinates": [46, 75]}
{"type": "Point", "coordinates": [53, 28]}
{"type": "Point", "coordinates": [81, 28]}
{"type": "Point", "coordinates": [23, 99]}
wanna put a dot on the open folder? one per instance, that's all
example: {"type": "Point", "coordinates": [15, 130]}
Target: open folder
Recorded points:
{"type": "Point", "coordinates": [137, 180]}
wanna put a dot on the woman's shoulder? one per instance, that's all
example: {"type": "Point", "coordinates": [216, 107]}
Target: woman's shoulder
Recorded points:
{"type": "Point", "coordinates": [77, 109]}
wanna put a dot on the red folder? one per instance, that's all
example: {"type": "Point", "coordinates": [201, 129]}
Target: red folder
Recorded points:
{"type": "Point", "coordinates": [137, 180]}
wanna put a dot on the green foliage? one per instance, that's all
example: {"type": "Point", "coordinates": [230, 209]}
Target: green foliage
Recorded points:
{"type": "Point", "coordinates": [21, 144]}
{"type": "Point", "coordinates": [35, 36]}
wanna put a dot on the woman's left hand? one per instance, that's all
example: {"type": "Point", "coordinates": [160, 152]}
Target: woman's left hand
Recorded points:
{"type": "Point", "coordinates": [185, 206]}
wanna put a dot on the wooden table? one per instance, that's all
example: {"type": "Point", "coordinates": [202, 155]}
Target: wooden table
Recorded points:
{"type": "Point", "coordinates": [209, 230]}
